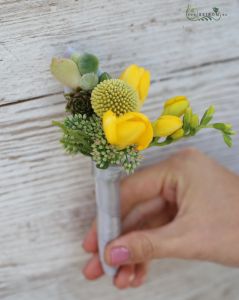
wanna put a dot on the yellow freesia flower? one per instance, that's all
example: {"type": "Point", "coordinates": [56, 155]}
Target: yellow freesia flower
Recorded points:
{"type": "Point", "coordinates": [133, 128]}
{"type": "Point", "coordinates": [166, 125]}
{"type": "Point", "coordinates": [178, 134]}
{"type": "Point", "coordinates": [139, 79]}
{"type": "Point", "coordinates": [176, 106]}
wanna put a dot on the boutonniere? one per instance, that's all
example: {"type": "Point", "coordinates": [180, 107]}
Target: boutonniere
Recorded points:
{"type": "Point", "coordinates": [104, 121]}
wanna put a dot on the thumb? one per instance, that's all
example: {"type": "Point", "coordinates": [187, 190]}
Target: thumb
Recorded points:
{"type": "Point", "coordinates": [144, 245]}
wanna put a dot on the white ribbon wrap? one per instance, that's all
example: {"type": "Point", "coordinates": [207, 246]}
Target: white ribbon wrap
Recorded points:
{"type": "Point", "coordinates": [107, 200]}
{"type": "Point", "coordinates": [108, 210]}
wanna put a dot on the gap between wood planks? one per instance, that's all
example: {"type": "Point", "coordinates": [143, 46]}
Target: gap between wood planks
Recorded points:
{"type": "Point", "coordinates": [206, 64]}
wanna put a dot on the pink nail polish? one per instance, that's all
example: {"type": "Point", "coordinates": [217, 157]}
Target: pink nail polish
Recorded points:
{"type": "Point", "coordinates": [119, 255]}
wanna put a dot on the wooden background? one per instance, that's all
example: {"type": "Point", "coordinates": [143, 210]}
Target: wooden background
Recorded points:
{"type": "Point", "coordinates": [46, 197]}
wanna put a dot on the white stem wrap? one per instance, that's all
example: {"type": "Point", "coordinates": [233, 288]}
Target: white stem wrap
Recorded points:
{"type": "Point", "coordinates": [107, 199]}
{"type": "Point", "coordinates": [108, 210]}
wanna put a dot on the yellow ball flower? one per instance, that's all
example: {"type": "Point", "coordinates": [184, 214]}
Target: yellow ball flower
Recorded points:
{"type": "Point", "coordinates": [166, 125]}
{"type": "Point", "coordinates": [176, 106]}
{"type": "Point", "coordinates": [132, 128]}
{"type": "Point", "coordinates": [115, 95]}
{"type": "Point", "coordinates": [139, 79]}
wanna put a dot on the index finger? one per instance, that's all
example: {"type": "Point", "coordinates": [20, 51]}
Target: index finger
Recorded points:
{"type": "Point", "coordinates": [142, 186]}
{"type": "Point", "coordinates": [137, 188]}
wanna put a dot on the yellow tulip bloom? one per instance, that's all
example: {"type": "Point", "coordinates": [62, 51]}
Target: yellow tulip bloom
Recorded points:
{"type": "Point", "coordinates": [132, 128]}
{"type": "Point", "coordinates": [139, 79]}
{"type": "Point", "coordinates": [166, 125]}
{"type": "Point", "coordinates": [176, 106]}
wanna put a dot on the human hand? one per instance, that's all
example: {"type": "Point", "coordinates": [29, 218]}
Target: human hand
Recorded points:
{"type": "Point", "coordinates": [184, 207]}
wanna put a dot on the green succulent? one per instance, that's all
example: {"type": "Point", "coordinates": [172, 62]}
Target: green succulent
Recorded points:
{"type": "Point", "coordinates": [87, 63]}
{"type": "Point", "coordinates": [79, 102]}
{"type": "Point", "coordinates": [88, 81]}
{"type": "Point", "coordinates": [104, 76]}
{"type": "Point", "coordinates": [65, 70]}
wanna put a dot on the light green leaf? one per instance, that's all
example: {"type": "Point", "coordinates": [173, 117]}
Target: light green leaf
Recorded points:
{"type": "Point", "coordinates": [66, 71]}
{"type": "Point", "coordinates": [219, 126]}
{"type": "Point", "coordinates": [186, 119]}
{"type": "Point", "coordinates": [225, 128]}
{"type": "Point", "coordinates": [227, 140]}
{"type": "Point", "coordinates": [194, 122]}
{"type": "Point", "coordinates": [208, 115]}
{"type": "Point", "coordinates": [75, 57]}
{"type": "Point", "coordinates": [88, 81]}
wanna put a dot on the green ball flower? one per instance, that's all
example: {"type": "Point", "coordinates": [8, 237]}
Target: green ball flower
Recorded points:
{"type": "Point", "coordinates": [114, 95]}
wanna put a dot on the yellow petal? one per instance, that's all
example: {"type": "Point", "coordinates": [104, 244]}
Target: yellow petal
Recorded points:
{"type": "Point", "coordinates": [133, 115]}
{"type": "Point", "coordinates": [109, 126]}
{"type": "Point", "coordinates": [131, 75]}
{"type": "Point", "coordinates": [167, 125]}
{"type": "Point", "coordinates": [132, 128]}
{"type": "Point", "coordinates": [175, 99]}
{"type": "Point", "coordinates": [129, 132]}
{"type": "Point", "coordinates": [145, 139]}
{"type": "Point", "coordinates": [144, 86]}
{"type": "Point", "coordinates": [141, 71]}
{"type": "Point", "coordinates": [176, 106]}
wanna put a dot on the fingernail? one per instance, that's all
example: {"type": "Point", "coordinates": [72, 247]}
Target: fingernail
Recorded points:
{"type": "Point", "coordinates": [131, 278]}
{"type": "Point", "coordinates": [119, 255]}
{"type": "Point", "coordinates": [138, 282]}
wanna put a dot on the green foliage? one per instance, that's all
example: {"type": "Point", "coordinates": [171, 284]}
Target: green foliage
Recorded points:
{"type": "Point", "coordinates": [87, 63]}
{"type": "Point", "coordinates": [79, 102]}
{"type": "Point", "coordinates": [194, 122]}
{"type": "Point", "coordinates": [78, 133]}
{"type": "Point", "coordinates": [88, 81]}
{"type": "Point", "coordinates": [65, 70]}
{"type": "Point", "coordinates": [208, 115]}
{"type": "Point", "coordinates": [75, 57]}
{"type": "Point", "coordinates": [227, 132]}
{"type": "Point", "coordinates": [167, 141]}
{"type": "Point", "coordinates": [228, 140]}
{"type": "Point", "coordinates": [82, 134]}
{"type": "Point", "coordinates": [106, 155]}
{"type": "Point", "coordinates": [186, 120]}
{"type": "Point", "coordinates": [104, 76]}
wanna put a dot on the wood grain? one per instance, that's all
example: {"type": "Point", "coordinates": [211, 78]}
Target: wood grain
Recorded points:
{"type": "Point", "coordinates": [47, 198]}
{"type": "Point", "coordinates": [156, 34]}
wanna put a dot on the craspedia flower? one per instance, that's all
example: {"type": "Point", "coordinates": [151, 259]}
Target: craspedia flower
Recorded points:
{"type": "Point", "coordinates": [114, 95]}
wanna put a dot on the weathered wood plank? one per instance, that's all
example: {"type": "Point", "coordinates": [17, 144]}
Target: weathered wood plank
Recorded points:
{"type": "Point", "coordinates": [190, 282]}
{"type": "Point", "coordinates": [155, 34]}
{"type": "Point", "coordinates": [47, 199]}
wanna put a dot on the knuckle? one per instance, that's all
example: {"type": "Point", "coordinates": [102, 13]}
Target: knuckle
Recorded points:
{"type": "Point", "coordinates": [190, 152]}
{"type": "Point", "coordinates": [186, 158]}
{"type": "Point", "coordinates": [147, 248]}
